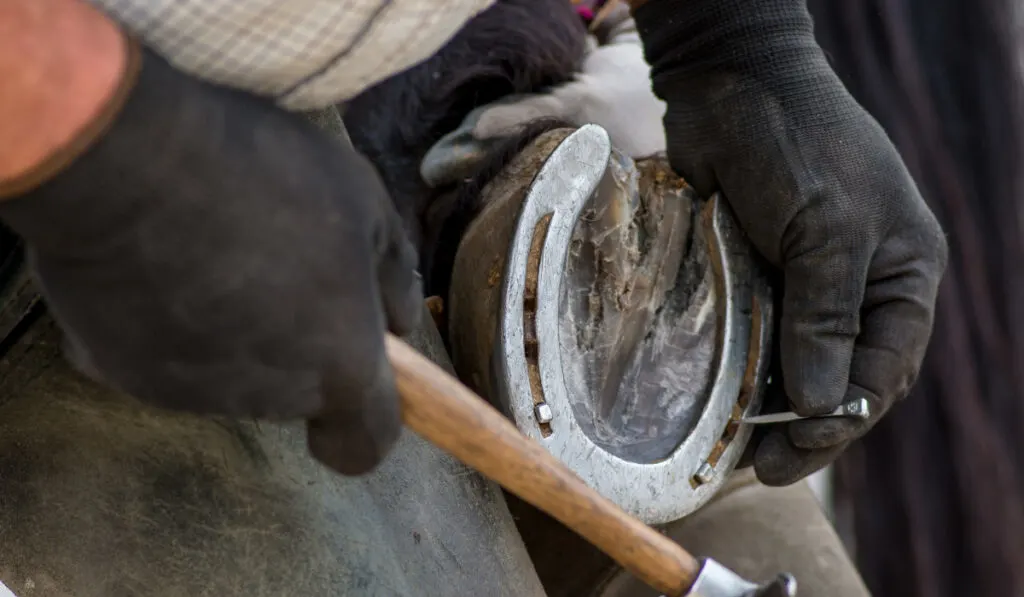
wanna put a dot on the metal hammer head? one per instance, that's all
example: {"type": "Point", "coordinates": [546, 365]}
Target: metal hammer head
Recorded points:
{"type": "Point", "coordinates": [783, 586]}
{"type": "Point", "coordinates": [716, 580]}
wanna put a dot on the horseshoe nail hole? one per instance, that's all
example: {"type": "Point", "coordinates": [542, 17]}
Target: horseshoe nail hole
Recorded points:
{"type": "Point", "coordinates": [742, 401]}
{"type": "Point", "coordinates": [531, 343]}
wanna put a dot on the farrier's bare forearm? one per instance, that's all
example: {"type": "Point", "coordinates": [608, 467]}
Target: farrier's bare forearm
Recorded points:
{"type": "Point", "coordinates": [61, 62]}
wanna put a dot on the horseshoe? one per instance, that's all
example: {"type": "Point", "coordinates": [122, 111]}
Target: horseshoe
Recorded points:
{"type": "Point", "coordinates": [668, 489]}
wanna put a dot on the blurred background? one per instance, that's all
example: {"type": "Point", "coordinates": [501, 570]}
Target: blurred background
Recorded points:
{"type": "Point", "coordinates": [931, 502]}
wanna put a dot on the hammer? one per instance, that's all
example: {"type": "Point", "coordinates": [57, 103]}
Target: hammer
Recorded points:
{"type": "Point", "coordinates": [443, 411]}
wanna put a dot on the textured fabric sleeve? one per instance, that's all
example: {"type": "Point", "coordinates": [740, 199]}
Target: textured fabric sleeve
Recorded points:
{"type": "Point", "coordinates": [306, 54]}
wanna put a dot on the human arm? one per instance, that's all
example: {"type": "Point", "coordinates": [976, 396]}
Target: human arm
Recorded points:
{"type": "Point", "coordinates": [755, 111]}
{"type": "Point", "coordinates": [751, 108]}
{"type": "Point", "coordinates": [209, 252]}
{"type": "Point", "coordinates": [63, 64]}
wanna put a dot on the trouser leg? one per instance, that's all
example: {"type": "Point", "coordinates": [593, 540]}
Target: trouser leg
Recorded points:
{"type": "Point", "coordinates": [102, 497]}
{"type": "Point", "coordinates": [759, 531]}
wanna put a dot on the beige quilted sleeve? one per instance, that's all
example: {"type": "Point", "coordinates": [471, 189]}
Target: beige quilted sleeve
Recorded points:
{"type": "Point", "coordinates": [306, 54]}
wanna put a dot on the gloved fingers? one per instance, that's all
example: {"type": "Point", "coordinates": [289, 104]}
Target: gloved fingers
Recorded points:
{"type": "Point", "coordinates": [773, 401]}
{"type": "Point", "coordinates": [823, 292]}
{"type": "Point", "coordinates": [687, 159]}
{"type": "Point", "coordinates": [756, 436]}
{"type": "Point", "coordinates": [898, 311]}
{"type": "Point", "coordinates": [896, 323]}
{"type": "Point", "coordinates": [390, 278]}
{"type": "Point", "coordinates": [507, 118]}
{"type": "Point", "coordinates": [354, 442]}
{"type": "Point", "coordinates": [816, 434]}
{"type": "Point", "coordinates": [701, 178]}
{"type": "Point", "coordinates": [401, 286]}
{"type": "Point", "coordinates": [361, 417]}
{"type": "Point", "coordinates": [778, 463]}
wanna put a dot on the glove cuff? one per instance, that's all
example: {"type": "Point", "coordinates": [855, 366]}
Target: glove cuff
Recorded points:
{"type": "Point", "coordinates": [84, 139]}
{"type": "Point", "coordinates": [67, 204]}
{"type": "Point", "coordinates": [701, 37]}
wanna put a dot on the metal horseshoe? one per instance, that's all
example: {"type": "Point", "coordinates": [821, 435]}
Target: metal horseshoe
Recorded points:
{"type": "Point", "coordinates": [671, 488]}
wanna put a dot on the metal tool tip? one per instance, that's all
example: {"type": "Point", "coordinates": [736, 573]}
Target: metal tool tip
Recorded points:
{"type": "Point", "coordinates": [784, 585]}
{"type": "Point", "coordinates": [859, 408]}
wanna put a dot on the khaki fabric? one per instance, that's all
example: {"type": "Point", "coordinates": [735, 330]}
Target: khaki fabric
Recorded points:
{"type": "Point", "coordinates": [103, 497]}
{"type": "Point", "coordinates": [759, 531]}
{"type": "Point", "coordinates": [305, 54]}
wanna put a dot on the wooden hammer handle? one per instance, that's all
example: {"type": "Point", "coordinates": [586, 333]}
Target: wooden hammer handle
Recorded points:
{"type": "Point", "coordinates": [440, 409]}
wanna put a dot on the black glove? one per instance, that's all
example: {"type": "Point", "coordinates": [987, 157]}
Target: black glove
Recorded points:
{"type": "Point", "coordinates": [754, 110]}
{"type": "Point", "coordinates": [213, 253]}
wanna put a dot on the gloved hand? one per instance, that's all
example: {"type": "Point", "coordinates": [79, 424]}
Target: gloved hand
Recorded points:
{"type": "Point", "coordinates": [754, 110]}
{"type": "Point", "coordinates": [612, 89]}
{"type": "Point", "coordinates": [212, 253]}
